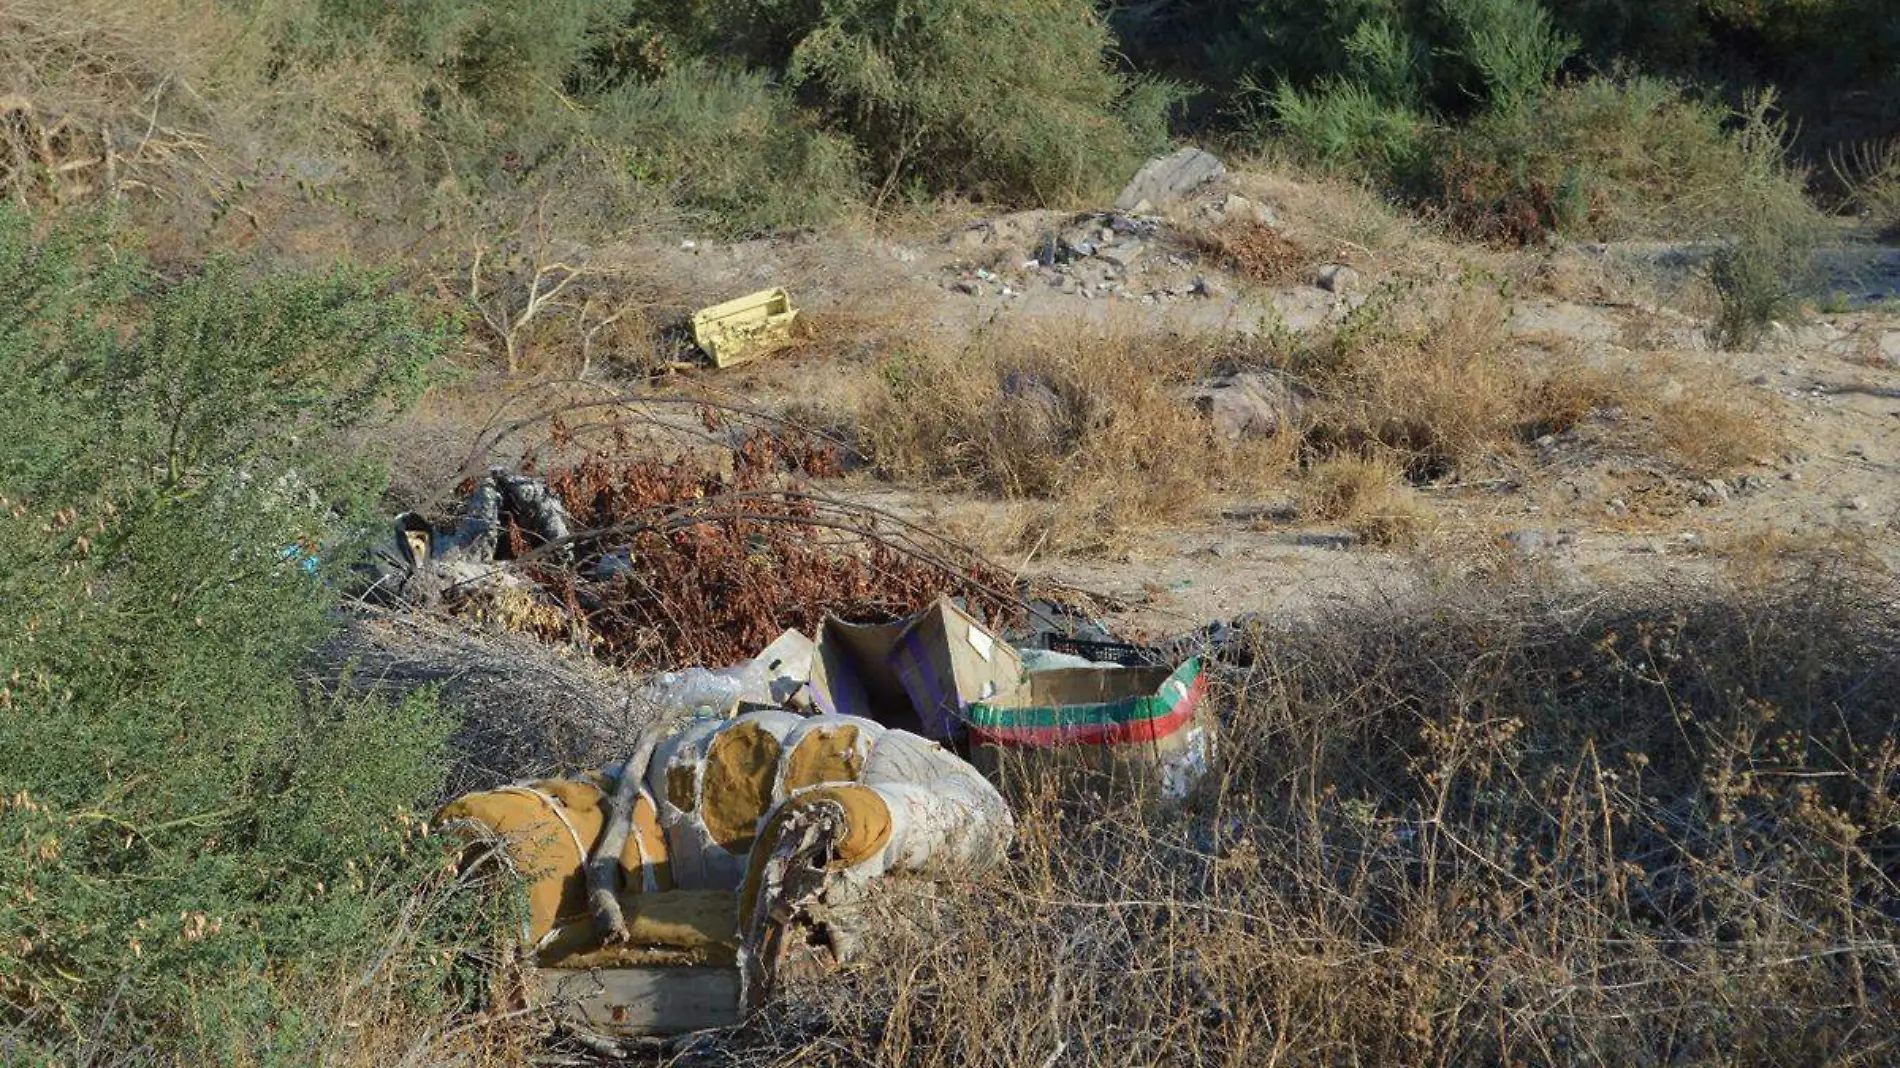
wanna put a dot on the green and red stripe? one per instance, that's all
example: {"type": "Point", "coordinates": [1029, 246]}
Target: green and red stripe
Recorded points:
{"type": "Point", "coordinates": [1134, 719]}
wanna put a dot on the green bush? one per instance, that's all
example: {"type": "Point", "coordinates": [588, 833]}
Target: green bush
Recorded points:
{"type": "Point", "coordinates": [1346, 127]}
{"type": "Point", "coordinates": [508, 56]}
{"type": "Point", "coordinates": [1511, 49]}
{"type": "Point", "coordinates": [1771, 234]}
{"type": "Point", "coordinates": [727, 146]}
{"type": "Point", "coordinates": [1012, 99]}
{"type": "Point", "coordinates": [1610, 158]}
{"type": "Point", "coordinates": [197, 858]}
{"type": "Point", "coordinates": [761, 113]}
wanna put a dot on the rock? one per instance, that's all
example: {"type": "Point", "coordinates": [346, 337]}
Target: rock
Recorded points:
{"type": "Point", "coordinates": [972, 289]}
{"type": "Point", "coordinates": [1165, 180]}
{"type": "Point", "coordinates": [1534, 542]}
{"type": "Point", "coordinates": [1252, 404]}
{"type": "Point", "coordinates": [1212, 288]}
{"type": "Point", "coordinates": [1709, 492]}
{"type": "Point", "coordinates": [1337, 278]}
{"type": "Point", "coordinates": [1528, 542]}
{"type": "Point", "coordinates": [1855, 504]}
{"type": "Point", "coordinates": [1124, 255]}
{"type": "Point", "coordinates": [1340, 541]}
{"type": "Point", "coordinates": [1890, 346]}
{"type": "Point", "coordinates": [1239, 208]}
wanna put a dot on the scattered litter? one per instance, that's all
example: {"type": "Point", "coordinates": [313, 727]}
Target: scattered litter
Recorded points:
{"type": "Point", "coordinates": [419, 565]}
{"type": "Point", "coordinates": [745, 328]}
{"type": "Point", "coordinates": [918, 673]}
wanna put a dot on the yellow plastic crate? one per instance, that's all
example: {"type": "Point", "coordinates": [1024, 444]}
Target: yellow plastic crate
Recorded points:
{"type": "Point", "coordinates": [745, 328]}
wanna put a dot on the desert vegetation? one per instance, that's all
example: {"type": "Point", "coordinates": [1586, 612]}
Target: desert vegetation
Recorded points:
{"type": "Point", "coordinates": [273, 272]}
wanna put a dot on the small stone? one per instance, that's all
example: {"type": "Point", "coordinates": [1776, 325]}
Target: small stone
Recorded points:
{"type": "Point", "coordinates": [1709, 492]}
{"type": "Point", "coordinates": [968, 288]}
{"type": "Point", "coordinates": [1337, 278]}
{"type": "Point", "coordinates": [1212, 288]}
{"type": "Point", "coordinates": [1890, 346]}
{"type": "Point", "coordinates": [1340, 541]}
{"type": "Point", "coordinates": [1855, 504]}
{"type": "Point", "coordinates": [1124, 255]}
{"type": "Point", "coordinates": [1527, 542]}
{"type": "Point", "coordinates": [1617, 507]}
{"type": "Point", "coordinates": [1252, 404]}
{"type": "Point", "coordinates": [1239, 207]}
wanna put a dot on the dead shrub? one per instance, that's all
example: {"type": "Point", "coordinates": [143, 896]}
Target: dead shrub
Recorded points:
{"type": "Point", "coordinates": [1368, 494]}
{"type": "Point", "coordinates": [1256, 250]}
{"type": "Point", "coordinates": [1442, 391]}
{"type": "Point", "coordinates": [1094, 424]}
{"type": "Point", "coordinates": [674, 562]}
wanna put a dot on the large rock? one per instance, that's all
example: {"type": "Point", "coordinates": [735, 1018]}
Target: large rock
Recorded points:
{"type": "Point", "coordinates": [1163, 181]}
{"type": "Point", "coordinates": [1251, 404]}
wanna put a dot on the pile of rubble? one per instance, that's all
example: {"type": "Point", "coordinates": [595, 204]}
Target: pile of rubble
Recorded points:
{"type": "Point", "coordinates": [1153, 247]}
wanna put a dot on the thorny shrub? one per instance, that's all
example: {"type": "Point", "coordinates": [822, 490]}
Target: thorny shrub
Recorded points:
{"type": "Point", "coordinates": [717, 564]}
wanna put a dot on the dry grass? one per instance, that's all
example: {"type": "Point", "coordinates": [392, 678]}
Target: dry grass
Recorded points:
{"type": "Point", "coordinates": [1421, 384]}
{"type": "Point", "coordinates": [1094, 424]}
{"type": "Point", "coordinates": [1433, 381]}
{"type": "Point", "coordinates": [1501, 828]}
{"type": "Point", "coordinates": [1429, 377]}
{"type": "Point", "coordinates": [1369, 495]}
{"type": "Point", "coordinates": [1696, 417]}
{"type": "Point", "coordinates": [1870, 172]}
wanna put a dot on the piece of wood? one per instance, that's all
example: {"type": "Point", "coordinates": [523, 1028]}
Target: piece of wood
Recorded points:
{"type": "Point", "coordinates": [641, 1001]}
{"type": "Point", "coordinates": [603, 872]}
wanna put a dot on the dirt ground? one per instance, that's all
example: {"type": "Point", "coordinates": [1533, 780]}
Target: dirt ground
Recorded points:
{"type": "Point", "coordinates": [1831, 383]}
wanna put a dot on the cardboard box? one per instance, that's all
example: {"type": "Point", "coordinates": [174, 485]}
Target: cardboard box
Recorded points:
{"type": "Point", "coordinates": [917, 674]}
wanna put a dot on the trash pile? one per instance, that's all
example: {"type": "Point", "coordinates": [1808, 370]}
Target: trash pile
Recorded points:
{"type": "Point", "coordinates": [670, 894]}
{"type": "Point", "coordinates": [844, 697]}
{"type": "Point", "coordinates": [741, 840]}
{"type": "Point", "coordinates": [652, 563]}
